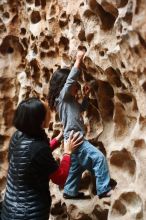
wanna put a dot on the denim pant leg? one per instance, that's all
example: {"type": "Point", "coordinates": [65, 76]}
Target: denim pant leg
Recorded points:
{"type": "Point", "coordinates": [88, 157]}
{"type": "Point", "coordinates": [74, 177]}
{"type": "Point", "coordinates": [93, 160]}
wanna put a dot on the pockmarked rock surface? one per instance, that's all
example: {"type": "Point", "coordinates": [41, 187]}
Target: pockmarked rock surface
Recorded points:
{"type": "Point", "coordinates": [37, 37]}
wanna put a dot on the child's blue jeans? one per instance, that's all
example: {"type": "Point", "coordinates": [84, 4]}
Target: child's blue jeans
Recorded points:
{"type": "Point", "coordinates": [87, 157]}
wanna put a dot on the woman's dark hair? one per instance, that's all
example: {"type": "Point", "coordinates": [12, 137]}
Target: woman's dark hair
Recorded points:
{"type": "Point", "coordinates": [56, 84]}
{"type": "Point", "coordinates": [29, 116]}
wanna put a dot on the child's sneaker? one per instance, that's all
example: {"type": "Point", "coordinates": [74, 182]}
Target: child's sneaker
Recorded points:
{"type": "Point", "coordinates": [79, 196]}
{"type": "Point", "coordinates": [105, 194]}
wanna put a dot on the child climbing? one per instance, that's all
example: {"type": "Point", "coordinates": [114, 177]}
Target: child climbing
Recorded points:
{"type": "Point", "coordinates": [62, 97]}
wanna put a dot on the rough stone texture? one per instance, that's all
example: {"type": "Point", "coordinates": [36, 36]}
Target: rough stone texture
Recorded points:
{"type": "Point", "coordinates": [37, 36]}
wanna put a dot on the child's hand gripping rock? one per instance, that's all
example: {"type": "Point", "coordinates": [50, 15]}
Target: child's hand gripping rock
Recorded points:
{"type": "Point", "coordinates": [79, 58]}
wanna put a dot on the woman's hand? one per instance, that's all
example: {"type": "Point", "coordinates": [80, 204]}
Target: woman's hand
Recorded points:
{"type": "Point", "coordinates": [74, 140]}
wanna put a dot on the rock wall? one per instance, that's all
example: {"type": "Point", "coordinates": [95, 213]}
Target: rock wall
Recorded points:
{"type": "Point", "coordinates": [37, 37]}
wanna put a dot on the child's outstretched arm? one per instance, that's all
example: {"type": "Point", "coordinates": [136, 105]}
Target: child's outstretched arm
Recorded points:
{"type": "Point", "coordinates": [75, 71]}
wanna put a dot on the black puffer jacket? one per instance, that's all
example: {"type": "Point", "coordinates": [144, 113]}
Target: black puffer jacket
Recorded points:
{"type": "Point", "coordinates": [27, 194]}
